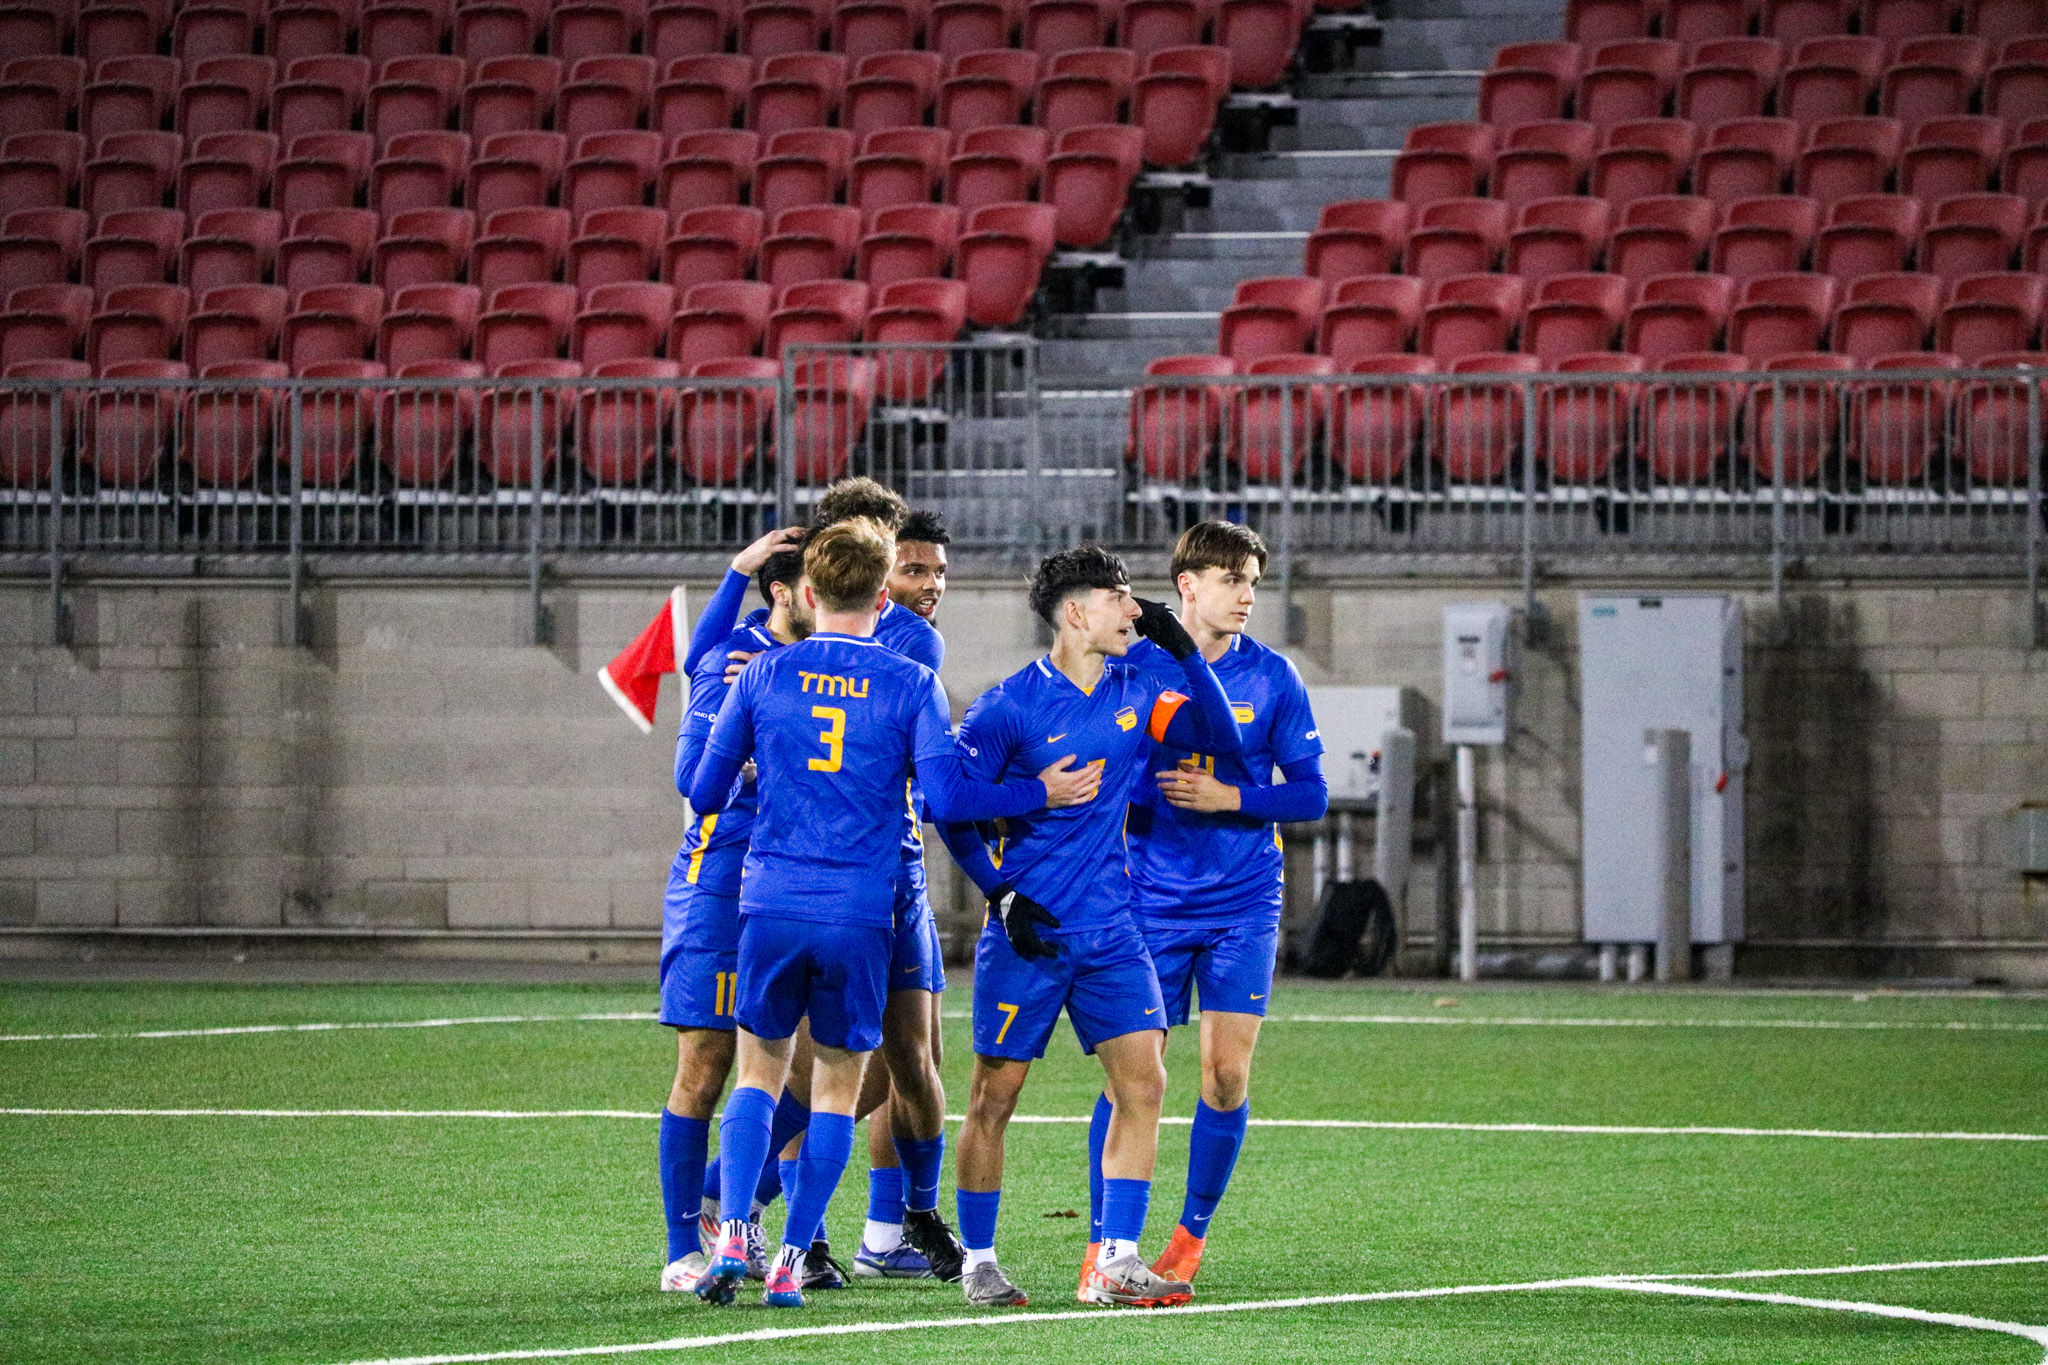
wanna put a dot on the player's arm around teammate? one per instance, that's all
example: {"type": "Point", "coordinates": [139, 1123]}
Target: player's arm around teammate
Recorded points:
{"type": "Point", "coordinates": [1059, 934]}
{"type": "Point", "coordinates": [1206, 865]}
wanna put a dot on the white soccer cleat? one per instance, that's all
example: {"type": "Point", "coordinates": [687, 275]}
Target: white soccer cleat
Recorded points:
{"type": "Point", "coordinates": [681, 1276]}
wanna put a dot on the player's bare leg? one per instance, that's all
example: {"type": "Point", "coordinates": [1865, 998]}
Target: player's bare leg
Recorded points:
{"type": "Point", "coordinates": [978, 1172]}
{"type": "Point", "coordinates": [1228, 1039]}
{"type": "Point", "coordinates": [703, 1060]}
{"type": "Point", "coordinates": [1135, 1069]}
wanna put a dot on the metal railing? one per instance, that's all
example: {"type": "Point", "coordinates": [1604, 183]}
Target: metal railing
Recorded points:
{"type": "Point", "coordinates": [1764, 468]}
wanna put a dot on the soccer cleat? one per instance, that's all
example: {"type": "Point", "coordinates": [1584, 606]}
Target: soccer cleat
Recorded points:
{"type": "Point", "coordinates": [727, 1268]}
{"type": "Point", "coordinates": [820, 1270]}
{"type": "Point", "coordinates": [1182, 1257]}
{"type": "Point", "coordinates": [986, 1286]}
{"type": "Point", "coordinates": [757, 1250]}
{"type": "Point", "coordinates": [901, 1262]}
{"type": "Point", "coordinates": [707, 1221]}
{"type": "Point", "coordinates": [1128, 1283]}
{"type": "Point", "coordinates": [925, 1230]}
{"type": "Point", "coordinates": [684, 1272]}
{"type": "Point", "coordinates": [1087, 1264]}
{"type": "Point", "coordinates": [780, 1290]}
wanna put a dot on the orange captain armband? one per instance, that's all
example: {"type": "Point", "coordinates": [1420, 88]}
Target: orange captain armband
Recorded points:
{"type": "Point", "coordinates": [1163, 712]}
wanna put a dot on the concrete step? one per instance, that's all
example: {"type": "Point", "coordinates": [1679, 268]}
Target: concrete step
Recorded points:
{"type": "Point", "coordinates": [1246, 246]}
{"type": "Point", "coordinates": [1322, 166]}
{"type": "Point", "coordinates": [1394, 12]}
{"type": "Point", "coordinates": [1162, 287]}
{"type": "Point", "coordinates": [1370, 122]}
{"type": "Point", "coordinates": [1095, 361]}
{"type": "Point", "coordinates": [1193, 324]}
{"type": "Point", "coordinates": [1284, 205]}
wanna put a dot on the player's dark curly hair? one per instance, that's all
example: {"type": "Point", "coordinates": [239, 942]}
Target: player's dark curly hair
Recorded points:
{"type": "Point", "coordinates": [860, 497]}
{"type": "Point", "coordinates": [785, 566]}
{"type": "Point", "coordinates": [1073, 571]}
{"type": "Point", "coordinates": [925, 528]}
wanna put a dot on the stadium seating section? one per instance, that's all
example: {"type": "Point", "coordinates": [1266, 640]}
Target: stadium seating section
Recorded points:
{"type": "Point", "coordinates": [1682, 187]}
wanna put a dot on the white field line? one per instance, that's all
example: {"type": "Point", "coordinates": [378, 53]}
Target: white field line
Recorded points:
{"type": "Point", "coordinates": [636, 1015]}
{"type": "Point", "coordinates": [1639, 1284]}
{"type": "Point", "coordinates": [1386, 1125]}
{"type": "Point", "coordinates": [1484, 1021]}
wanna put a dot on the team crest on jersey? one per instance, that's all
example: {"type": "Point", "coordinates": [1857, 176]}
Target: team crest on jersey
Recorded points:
{"type": "Point", "coordinates": [1126, 719]}
{"type": "Point", "coordinates": [1243, 711]}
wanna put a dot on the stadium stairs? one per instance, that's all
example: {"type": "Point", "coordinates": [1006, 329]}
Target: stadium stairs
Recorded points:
{"type": "Point", "coordinates": [1358, 84]}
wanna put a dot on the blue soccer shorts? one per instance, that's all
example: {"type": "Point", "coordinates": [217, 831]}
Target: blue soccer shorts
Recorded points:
{"type": "Point", "coordinates": [1102, 977]}
{"type": "Point", "coordinates": [838, 974]}
{"type": "Point", "coordinates": [1231, 964]}
{"type": "Point", "coordinates": [916, 961]}
{"type": "Point", "coordinates": [700, 956]}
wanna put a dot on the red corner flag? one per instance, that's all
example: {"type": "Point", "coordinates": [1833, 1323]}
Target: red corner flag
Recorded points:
{"type": "Point", "coordinates": [634, 678]}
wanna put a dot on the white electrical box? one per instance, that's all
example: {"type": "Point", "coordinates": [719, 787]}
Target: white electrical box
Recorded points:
{"type": "Point", "coordinates": [1476, 673]}
{"type": "Point", "coordinates": [1351, 721]}
{"type": "Point", "coordinates": [1660, 661]}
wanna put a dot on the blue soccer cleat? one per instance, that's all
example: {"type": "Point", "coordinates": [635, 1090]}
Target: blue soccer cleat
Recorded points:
{"type": "Point", "coordinates": [781, 1290]}
{"type": "Point", "coordinates": [728, 1265]}
{"type": "Point", "coordinates": [904, 1262]}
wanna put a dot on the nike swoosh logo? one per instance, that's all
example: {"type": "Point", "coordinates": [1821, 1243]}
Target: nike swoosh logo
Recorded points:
{"type": "Point", "coordinates": [1054, 739]}
{"type": "Point", "coordinates": [1258, 997]}
{"type": "Point", "coordinates": [908, 970]}
{"type": "Point", "coordinates": [1153, 1010]}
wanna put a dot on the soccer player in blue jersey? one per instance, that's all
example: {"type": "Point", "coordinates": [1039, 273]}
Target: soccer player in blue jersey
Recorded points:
{"type": "Point", "coordinates": [1206, 864]}
{"type": "Point", "coordinates": [834, 723]}
{"type": "Point", "coordinates": [1059, 933]}
{"type": "Point", "coordinates": [907, 1138]}
{"type": "Point", "coordinates": [700, 913]}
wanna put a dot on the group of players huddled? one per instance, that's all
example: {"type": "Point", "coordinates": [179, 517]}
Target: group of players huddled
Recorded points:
{"type": "Point", "coordinates": [1115, 802]}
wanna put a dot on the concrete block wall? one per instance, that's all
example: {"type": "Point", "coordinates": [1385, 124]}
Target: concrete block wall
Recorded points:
{"type": "Point", "coordinates": [422, 768]}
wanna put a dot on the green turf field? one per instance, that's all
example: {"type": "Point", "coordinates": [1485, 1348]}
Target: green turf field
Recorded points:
{"type": "Point", "coordinates": [313, 1238]}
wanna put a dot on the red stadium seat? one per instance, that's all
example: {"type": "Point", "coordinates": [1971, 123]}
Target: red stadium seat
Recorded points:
{"type": "Point", "coordinates": [1766, 236]}
{"type": "Point", "coordinates": [1605, 21]}
{"type": "Point", "coordinates": [1443, 161]}
{"type": "Point", "coordinates": [519, 246]}
{"type": "Point", "coordinates": [1000, 258]}
{"type": "Point", "coordinates": [611, 170]}
{"type": "Point", "coordinates": [421, 430]}
{"type": "Point", "coordinates": [1730, 78]}
{"type": "Point", "coordinates": [1088, 178]}
{"type": "Point", "coordinates": [617, 246]}
{"type": "Point", "coordinates": [1083, 85]}
{"type": "Point", "coordinates": [419, 171]}
{"type": "Point", "coordinates": [1470, 315]}
{"type": "Point", "coordinates": [1846, 156]}
{"type": "Point", "coordinates": [40, 246]}
{"type": "Point", "coordinates": [708, 169]}
{"type": "Point", "coordinates": [1376, 426]}
{"type": "Point", "coordinates": [1994, 426]}
{"type": "Point", "coordinates": [413, 94]}
{"type": "Point", "coordinates": [425, 246]}
{"type": "Point", "coordinates": [1261, 36]}
{"type": "Point", "coordinates": [511, 94]}
{"type": "Point", "coordinates": [996, 165]}
{"type": "Point", "coordinates": [1567, 235]}
{"type": "Point", "coordinates": [1570, 314]}
{"type": "Point", "coordinates": [620, 428]}
{"type": "Point", "coordinates": [802, 166]}
{"type": "Point", "coordinates": [428, 322]}
{"type": "Point", "coordinates": [1795, 447]}
{"type": "Point", "coordinates": [44, 322]}
{"type": "Point", "coordinates": [520, 427]}
{"type": "Point", "coordinates": [1992, 315]}
{"type": "Point", "coordinates": [1702, 21]}
{"type": "Point", "coordinates": [295, 31]}
{"type": "Point", "coordinates": [321, 171]}
{"type": "Point", "coordinates": [591, 28]}
{"type": "Point", "coordinates": [1794, 21]}
{"type": "Point", "coordinates": [1642, 158]}
{"type": "Point", "coordinates": [796, 90]}
{"type": "Point", "coordinates": [720, 322]}
{"type": "Point", "coordinates": [229, 247]}
{"type": "Point", "coordinates": [1896, 428]}
{"type": "Point", "coordinates": [127, 430]}
{"type": "Point", "coordinates": [1867, 235]}
{"type": "Point", "coordinates": [1950, 156]}
{"type": "Point", "coordinates": [1628, 81]}
{"type": "Point", "coordinates": [1688, 426]}
{"type": "Point", "coordinates": [817, 313]}
{"type": "Point", "coordinates": [135, 246]}
{"type": "Point", "coordinates": [701, 94]}
{"type": "Point", "coordinates": [862, 28]}
{"type": "Point", "coordinates": [812, 242]}
{"type": "Point", "coordinates": [1477, 429]}
{"type": "Point", "coordinates": [710, 244]}
{"type": "Point", "coordinates": [830, 401]}
{"type": "Point", "coordinates": [1679, 314]}
{"type": "Point", "coordinates": [1456, 237]}
{"type": "Point", "coordinates": [228, 430]}
{"type": "Point", "coordinates": [327, 246]}
{"type": "Point", "coordinates": [723, 424]}
{"type": "Point", "coordinates": [987, 89]}
{"type": "Point", "coordinates": [332, 322]}
{"type": "Point", "coordinates": [526, 322]}
{"type": "Point", "coordinates": [1972, 234]}
{"type": "Point", "coordinates": [1175, 101]}
{"type": "Point", "coordinates": [1276, 315]}
{"type": "Point", "coordinates": [238, 322]}
{"type": "Point", "coordinates": [1543, 160]}
{"type": "Point", "coordinates": [1357, 237]}
{"type": "Point", "coordinates": [898, 166]}
{"type": "Point", "coordinates": [1886, 313]}
{"type": "Point", "coordinates": [925, 313]}
{"type": "Point", "coordinates": [622, 322]}
{"type": "Point", "coordinates": [891, 90]}
{"type": "Point", "coordinates": [516, 170]}
{"type": "Point", "coordinates": [2015, 92]}
{"type": "Point", "coordinates": [1830, 78]}
{"type": "Point", "coordinates": [27, 444]}
{"type": "Point", "coordinates": [1778, 315]}
{"type": "Point", "coordinates": [225, 95]}
{"type": "Point", "coordinates": [1371, 315]}
{"type": "Point", "coordinates": [1272, 427]}
{"type": "Point", "coordinates": [1582, 430]}
{"type": "Point", "coordinates": [1174, 426]}
{"type": "Point", "coordinates": [603, 95]}
{"type": "Point", "coordinates": [1529, 81]}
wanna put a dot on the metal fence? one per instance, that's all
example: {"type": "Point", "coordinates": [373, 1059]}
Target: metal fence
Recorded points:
{"type": "Point", "coordinates": [1762, 466]}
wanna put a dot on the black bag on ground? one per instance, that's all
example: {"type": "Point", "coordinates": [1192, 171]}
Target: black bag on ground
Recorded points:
{"type": "Point", "coordinates": [1354, 931]}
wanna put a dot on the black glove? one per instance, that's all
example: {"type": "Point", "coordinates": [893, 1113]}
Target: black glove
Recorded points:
{"type": "Point", "coordinates": [1021, 917]}
{"type": "Point", "coordinates": [1164, 629]}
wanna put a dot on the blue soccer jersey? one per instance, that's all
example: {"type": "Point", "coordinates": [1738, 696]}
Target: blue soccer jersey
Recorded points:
{"type": "Point", "coordinates": [1069, 860]}
{"type": "Point", "coordinates": [1220, 866]}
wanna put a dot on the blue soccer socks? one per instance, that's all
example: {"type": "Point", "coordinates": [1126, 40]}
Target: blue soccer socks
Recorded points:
{"type": "Point", "coordinates": [1213, 1146]}
{"type": "Point", "coordinates": [1098, 1138]}
{"type": "Point", "coordinates": [923, 1159]}
{"type": "Point", "coordinates": [977, 1213]}
{"type": "Point", "coordinates": [681, 1146]}
{"type": "Point", "coordinates": [827, 1144]}
{"type": "Point", "coordinates": [743, 1146]}
{"type": "Point", "coordinates": [1124, 1206]}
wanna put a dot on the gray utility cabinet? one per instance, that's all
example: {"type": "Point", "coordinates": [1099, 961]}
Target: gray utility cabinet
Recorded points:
{"type": "Point", "coordinates": [1660, 661]}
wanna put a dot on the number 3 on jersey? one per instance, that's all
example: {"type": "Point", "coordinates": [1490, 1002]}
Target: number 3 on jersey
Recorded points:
{"type": "Point", "coordinates": [833, 737]}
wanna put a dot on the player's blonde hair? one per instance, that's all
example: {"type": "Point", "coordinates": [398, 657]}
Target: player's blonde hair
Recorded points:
{"type": "Point", "coordinates": [848, 562]}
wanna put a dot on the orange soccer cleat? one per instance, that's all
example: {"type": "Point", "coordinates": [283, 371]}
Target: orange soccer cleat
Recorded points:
{"type": "Point", "coordinates": [1087, 1264]}
{"type": "Point", "coordinates": [1182, 1257]}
